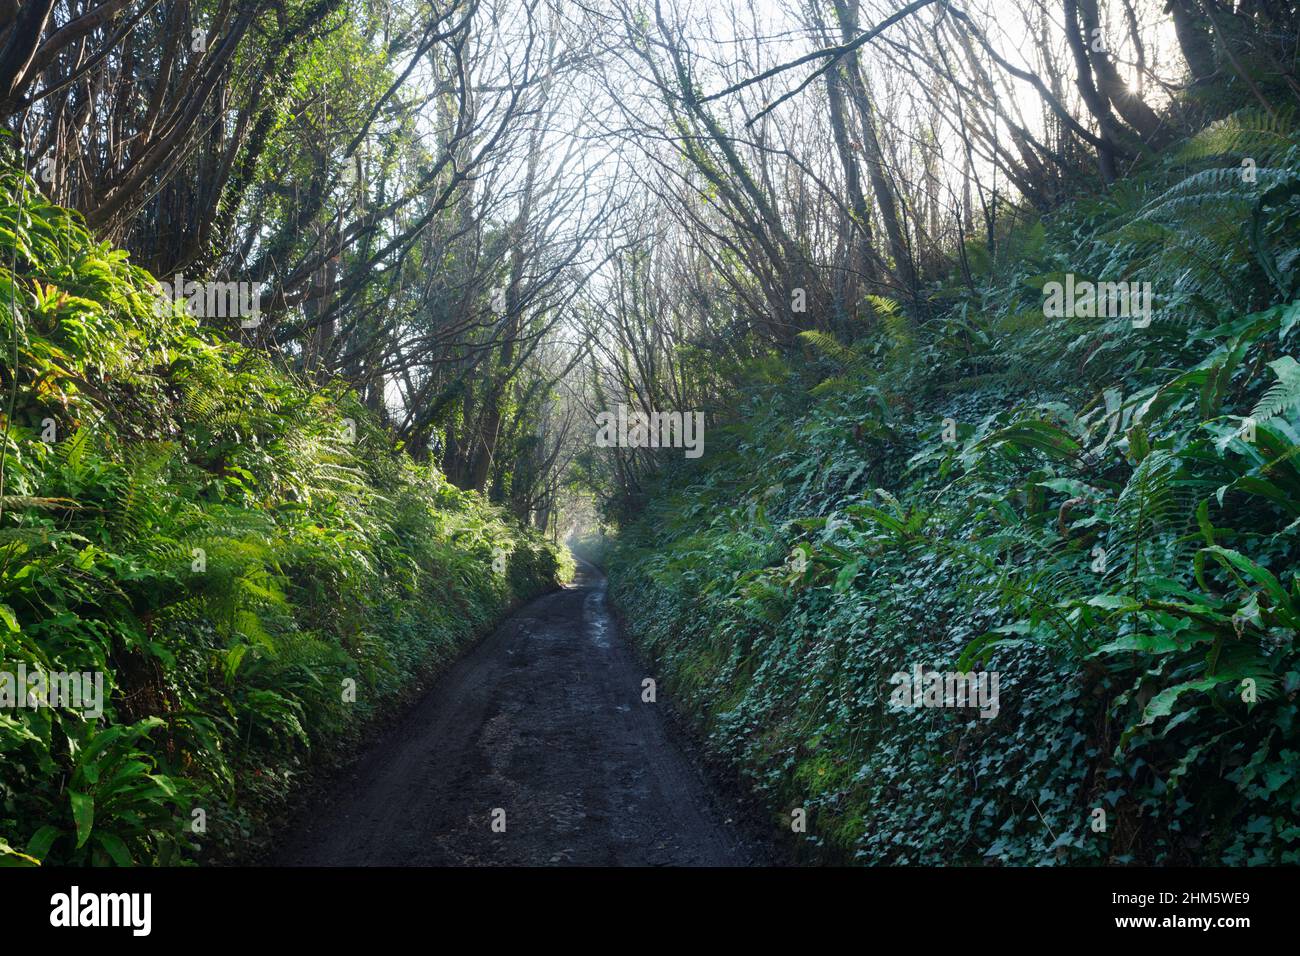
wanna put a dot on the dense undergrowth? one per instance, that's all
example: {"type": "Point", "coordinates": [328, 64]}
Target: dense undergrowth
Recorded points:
{"type": "Point", "coordinates": [248, 561]}
{"type": "Point", "coordinates": [1112, 528]}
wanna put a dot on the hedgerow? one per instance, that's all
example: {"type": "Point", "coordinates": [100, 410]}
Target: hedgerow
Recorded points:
{"type": "Point", "coordinates": [248, 561]}
{"type": "Point", "coordinates": [1104, 514]}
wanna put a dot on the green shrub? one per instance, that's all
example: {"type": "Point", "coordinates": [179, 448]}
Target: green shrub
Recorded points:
{"type": "Point", "coordinates": [244, 558]}
{"type": "Point", "coordinates": [1112, 529]}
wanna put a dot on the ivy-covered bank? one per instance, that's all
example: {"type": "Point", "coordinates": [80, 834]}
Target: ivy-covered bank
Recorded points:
{"type": "Point", "coordinates": [1104, 512]}
{"type": "Point", "coordinates": [244, 561]}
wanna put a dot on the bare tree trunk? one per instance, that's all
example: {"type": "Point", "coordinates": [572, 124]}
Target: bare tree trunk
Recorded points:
{"type": "Point", "coordinates": [846, 12]}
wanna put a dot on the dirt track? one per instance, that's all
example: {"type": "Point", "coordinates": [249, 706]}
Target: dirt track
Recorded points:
{"type": "Point", "coordinates": [544, 720]}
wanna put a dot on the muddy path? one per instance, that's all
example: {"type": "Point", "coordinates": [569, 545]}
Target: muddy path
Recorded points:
{"type": "Point", "coordinates": [542, 720]}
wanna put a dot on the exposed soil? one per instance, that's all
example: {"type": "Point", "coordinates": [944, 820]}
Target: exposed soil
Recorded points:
{"type": "Point", "coordinates": [543, 720]}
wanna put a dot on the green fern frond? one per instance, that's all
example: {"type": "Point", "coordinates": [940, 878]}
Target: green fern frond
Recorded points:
{"type": "Point", "coordinates": [1282, 395]}
{"type": "Point", "coordinates": [1250, 132]}
{"type": "Point", "coordinates": [830, 347]}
